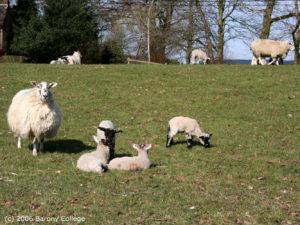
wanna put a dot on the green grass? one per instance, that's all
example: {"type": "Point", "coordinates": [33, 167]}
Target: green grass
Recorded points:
{"type": "Point", "coordinates": [250, 175]}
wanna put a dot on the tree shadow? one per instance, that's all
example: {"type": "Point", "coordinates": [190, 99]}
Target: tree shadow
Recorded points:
{"type": "Point", "coordinates": [65, 146]}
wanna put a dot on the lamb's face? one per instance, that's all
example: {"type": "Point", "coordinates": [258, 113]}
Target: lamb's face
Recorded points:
{"type": "Point", "coordinates": [109, 135]}
{"type": "Point", "coordinates": [42, 89]}
{"type": "Point", "coordinates": [205, 140]}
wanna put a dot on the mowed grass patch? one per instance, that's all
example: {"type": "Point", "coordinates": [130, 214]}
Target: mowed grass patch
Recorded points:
{"type": "Point", "coordinates": [249, 175]}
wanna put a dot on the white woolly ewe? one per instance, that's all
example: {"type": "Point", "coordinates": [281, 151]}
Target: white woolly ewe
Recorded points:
{"type": "Point", "coordinates": [74, 59]}
{"type": "Point", "coordinates": [140, 162]}
{"type": "Point", "coordinates": [200, 55]}
{"type": "Point", "coordinates": [95, 161]}
{"type": "Point", "coordinates": [33, 113]}
{"type": "Point", "coordinates": [262, 48]}
{"type": "Point", "coordinates": [191, 128]}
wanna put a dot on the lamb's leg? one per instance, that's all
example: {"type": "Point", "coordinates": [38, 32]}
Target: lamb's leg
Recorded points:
{"type": "Point", "coordinates": [35, 143]}
{"type": "Point", "coordinates": [170, 138]}
{"type": "Point", "coordinates": [188, 140]}
{"type": "Point", "coordinates": [19, 142]}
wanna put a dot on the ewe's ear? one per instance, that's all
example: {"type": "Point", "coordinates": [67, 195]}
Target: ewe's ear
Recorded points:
{"type": "Point", "coordinates": [135, 146]}
{"type": "Point", "coordinates": [34, 83]}
{"type": "Point", "coordinates": [96, 139]}
{"type": "Point", "coordinates": [53, 84]}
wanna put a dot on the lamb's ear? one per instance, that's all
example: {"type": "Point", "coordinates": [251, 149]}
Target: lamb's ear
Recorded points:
{"type": "Point", "coordinates": [96, 139]}
{"type": "Point", "coordinates": [53, 84]}
{"type": "Point", "coordinates": [135, 146]}
{"type": "Point", "coordinates": [102, 128]}
{"type": "Point", "coordinates": [147, 147]}
{"type": "Point", "coordinates": [118, 131]}
{"type": "Point", "coordinates": [34, 83]}
{"type": "Point", "coordinates": [210, 135]}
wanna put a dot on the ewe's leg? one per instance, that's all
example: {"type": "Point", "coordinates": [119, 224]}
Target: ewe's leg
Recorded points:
{"type": "Point", "coordinates": [35, 143]}
{"type": "Point", "coordinates": [273, 60]}
{"type": "Point", "coordinates": [254, 61]}
{"type": "Point", "coordinates": [188, 140]}
{"type": "Point", "coordinates": [262, 62]}
{"type": "Point", "coordinates": [41, 148]}
{"type": "Point", "coordinates": [19, 142]}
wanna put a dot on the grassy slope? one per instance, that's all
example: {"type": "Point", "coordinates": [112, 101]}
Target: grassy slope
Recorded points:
{"type": "Point", "coordinates": [251, 173]}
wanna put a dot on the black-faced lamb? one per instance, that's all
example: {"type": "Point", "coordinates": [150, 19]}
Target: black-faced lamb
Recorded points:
{"type": "Point", "coordinates": [33, 113]}
{"type": "Point", "coordinates": [95, 161]}
{"type": "Point", "coordinates": [107, 131]}
{"type": "Point", "coordinates": [140, 162]}
{"type": "Point", "coordinates": [191, 128]}
{"type": "Point", "coordinates": [262, 48]}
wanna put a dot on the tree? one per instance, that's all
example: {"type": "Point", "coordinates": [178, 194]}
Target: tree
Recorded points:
{"type": "Point", "coordinates": [17, 17]}
{"type": "Point", "coordinates": [66, 26]}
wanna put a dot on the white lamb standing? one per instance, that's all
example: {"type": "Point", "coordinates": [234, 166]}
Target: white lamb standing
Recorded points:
{"type": "Point", "coordinates": [262, 48]}
{"type": "Point", "coordinates": [106, 130]}
{"type": "Point", "coordinates": [140, 162]}
{"type": "Point", "coordinates": [33, 113]}
{"type": "Point", "coordinates": [191, 128]}
{"type": "Point", "coordinates": [74, 59]}
{"type": "Point", "coordinates": [200, 55]}
{"type": "Point", "coordinates": [95, 161]}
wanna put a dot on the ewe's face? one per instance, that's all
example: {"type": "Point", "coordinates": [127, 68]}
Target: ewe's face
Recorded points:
{"type": "Point", "coordinates": [290, 46]}
{"type": "Point", "coordinates": [43, 89]}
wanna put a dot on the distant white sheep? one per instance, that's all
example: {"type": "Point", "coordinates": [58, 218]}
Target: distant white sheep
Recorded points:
{"type": "Point", "coordinates": [191, 128]}
{"type": "Point", "coordinates": [200, 55]}
{"type": "Point", "coordinates": [140, 162]}
{"type": "Point", "coordinates": [262, 48]}
{"type": "Point", "coordinates": [33, 113]}
{"type": "Point", "coordinates": [95, 161]}
{"type": "Point", "coordinates": [107, 131]}
{"type": "Point", "coordinates": [74, 59]}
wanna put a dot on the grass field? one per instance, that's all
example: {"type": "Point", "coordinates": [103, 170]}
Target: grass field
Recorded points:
{"type": "Point", "coordinates": [250, 175]}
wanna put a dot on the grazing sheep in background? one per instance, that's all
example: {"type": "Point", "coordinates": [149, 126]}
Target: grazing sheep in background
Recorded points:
{"type": "Point", "coordinates": [140, 162]}
{"type": "Point", "coordinates": [107, 131]}
{"type": "Point", "coordinates": [95, 161]}
{"type": "Point", "coordinates": [59, 61]}
{"type": "Point", "coordinates": [74, 59]}
{"type": "Point", "coordinates": [200, 55]}
{"type": "Point", "coordinates": [33, 113]}
{"type": "Point", "coordinates": [190, 127]}
{"type": "Point", "coordinates": [262, 48]}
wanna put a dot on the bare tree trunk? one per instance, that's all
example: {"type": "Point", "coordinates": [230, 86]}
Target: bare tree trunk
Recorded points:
{"type": "Point", "coordinates": [190, 33]}
{"type": "Point", "coordinates": [220, 46]}
{"type": "Point", "coordinates": [296, 35]}
{"type": "Point", "coordinates": [207, 32]}
{"type": "Point", "coordinates": [265, 32]}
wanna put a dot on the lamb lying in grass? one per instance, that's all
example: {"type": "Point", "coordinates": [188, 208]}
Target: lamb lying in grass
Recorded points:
{"type": "Point", "coordinates": [95, 161]}
{"type": "Point", "coordinates": [140, 162]}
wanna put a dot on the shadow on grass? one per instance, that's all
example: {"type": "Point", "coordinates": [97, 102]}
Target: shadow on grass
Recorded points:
{"type": "Point", "coordinates": [194, 143]}
{"type": "Point", "coordinates": [65, 146]}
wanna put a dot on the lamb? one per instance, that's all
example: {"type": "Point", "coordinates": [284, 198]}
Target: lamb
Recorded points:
{"type": "Point", "coordinates": [200, 55]}
{"type": "Point", "coordinates": [74, 59]}
{"type": "Point", "coordinates": [33, 113]}
{"type": "Point", "coordinates": [140, 162]}
{"type": "Point", "coordinates": [95, 161]}
{"type": "Point", "coordinates": [262, 48]}
{"type": "Point", "coordinates": [190, 127]}
{"type": "Point", "coordinates": [59, 61]}
{"type": "Point", "coordinates": [107, 131]}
